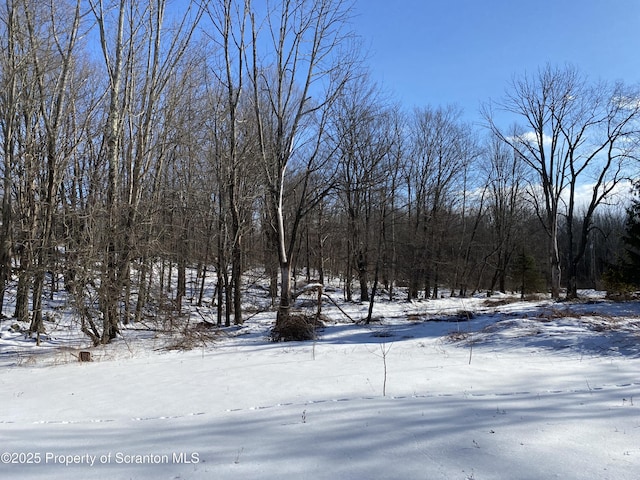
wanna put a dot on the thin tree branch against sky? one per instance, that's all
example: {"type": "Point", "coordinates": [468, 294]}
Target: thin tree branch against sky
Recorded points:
{"type": "Point", "coordinates": [439, 52]}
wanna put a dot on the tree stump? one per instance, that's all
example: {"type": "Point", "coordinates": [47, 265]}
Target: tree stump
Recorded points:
{"type": "Point", "coordinates": [85, 356]}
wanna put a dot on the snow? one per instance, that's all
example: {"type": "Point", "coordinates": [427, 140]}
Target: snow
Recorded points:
{"type": "Point", "coordinates": [512, 390]}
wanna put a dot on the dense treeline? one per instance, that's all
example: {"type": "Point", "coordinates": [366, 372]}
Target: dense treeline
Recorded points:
{"type": "Point", "coordinates": [140, 140]}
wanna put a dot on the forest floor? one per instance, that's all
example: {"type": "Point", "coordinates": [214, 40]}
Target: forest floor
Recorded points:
{"type": "Point", "coordinates": [454, 388]}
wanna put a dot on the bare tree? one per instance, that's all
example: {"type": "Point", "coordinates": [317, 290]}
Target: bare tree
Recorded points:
{"type": "Point", "coordinates": [9, 105]}
{"type": "Point", "coordinates": [230, 19]}
{"type": "Point", "coordinates": [440, 151]}
{"type": "Point", "coordinates": [295, 81]}
{"type": "Point", "coordinates": [139, 60]}
{"type": "Point", "coordinates": [469, 209]}
{"type": "Point", "coordinates": [573, 132]}
{"type": "Point", "coordinates": [21, 149]}
{"type": "Point", "coordinates": [64, 25]}
{"type": "Point", "coordinates": [611, 141]}
{"type": "Point", "coordinates": [38, 73]}
{"type": "Point", "coordinates": [506, 201]}
{"type": "Point", "coordinates": [364, 135]}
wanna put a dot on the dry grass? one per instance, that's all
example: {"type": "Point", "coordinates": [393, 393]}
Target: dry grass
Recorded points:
{"type": "Point", "coordinates": [531, 297]}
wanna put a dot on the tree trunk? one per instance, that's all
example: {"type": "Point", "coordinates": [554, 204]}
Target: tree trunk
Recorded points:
{"type": "Point", "coordinates": [362, 276]}
{"type": "Point", "coordinates": [554, 261]}
{"type": "Point", "coordinates": [228, 305]}
{"type": "Point", "coordinates": [181, 289]}
{"type": "Point", "coordinates": [320, 240]}
{"type": "Point", "coordinates": [22, 293]}
{"type": "Point", "coordinates": [219, 295]}
{"type": "Point", "coordinates": [37, 325]}
{"type": "Point", "coordinates": [285, 293]}
{"type": "Point", "coordinates": [236, 280]}
{"type": "Point", "coordinates": [203, 279]}
{"type": "Point", "coordinates": [142, 290]}
{"type": "Point", "coordinates": [349, 270]}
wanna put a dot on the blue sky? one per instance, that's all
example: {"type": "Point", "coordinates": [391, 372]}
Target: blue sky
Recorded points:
{"type": "Point", "coordinates": [464, 52]}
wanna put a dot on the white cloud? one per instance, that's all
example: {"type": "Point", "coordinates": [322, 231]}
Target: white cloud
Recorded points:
{"type": "Point", "coordinates": [532, 137]}
{"type": "Point", "coordinates": [619, 196]}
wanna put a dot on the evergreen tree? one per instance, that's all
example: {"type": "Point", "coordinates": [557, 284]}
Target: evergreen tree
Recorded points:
{"type": "Point", "coordinates": [631, 239]}
{"type": "Point", "coordinates": [624, 276]}
{"type": "Point", "coordinates": [526, 273]}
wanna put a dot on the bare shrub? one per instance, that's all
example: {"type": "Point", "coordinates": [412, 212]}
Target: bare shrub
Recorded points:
{"type": "Point", "coordinates": [499, 302]}
{"type": "Point", "coordinates": [458, 336]}
{"type": "Point", "coordinates": [297, 327]}
{"type": "Point", "coordinates": [464, 315]}
{"type": "Point", "coordinates": [623, 295]}
{"type": "Point", "coordinates": [196, 336]}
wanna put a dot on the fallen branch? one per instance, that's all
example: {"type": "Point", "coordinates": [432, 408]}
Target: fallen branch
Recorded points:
{"type": "Point", "coordinates": [338, 306]}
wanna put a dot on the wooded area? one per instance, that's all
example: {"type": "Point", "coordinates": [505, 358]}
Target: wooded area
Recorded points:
{"type": "Point", "coordinates": [144, 138]}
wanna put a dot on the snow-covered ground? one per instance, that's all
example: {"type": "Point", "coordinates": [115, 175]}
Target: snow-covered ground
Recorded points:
{"type": "Point", "coordinates": [517, 390]}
